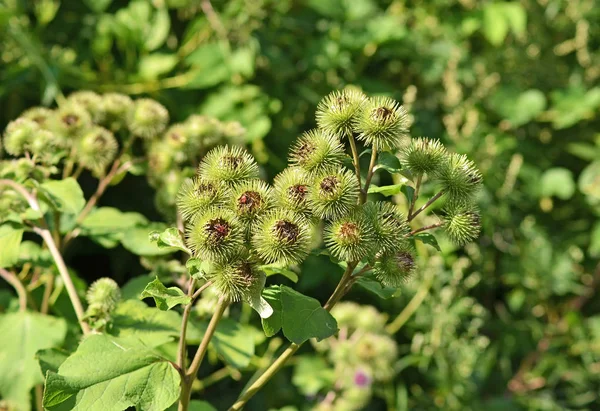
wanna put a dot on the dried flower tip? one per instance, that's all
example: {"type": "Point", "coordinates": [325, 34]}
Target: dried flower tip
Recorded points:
{"type": "Point", "coordinates": [334, 193]}
{"type": "Point", "coordinates": [389, 225]}
{"type": "Point", "coordinates": [382, 123]}
{"type": "Point", "coordinates": [350, 238]}
{"type": "Point", "coordinates": [96, 148]}
{"type": "Point", "coordinates": [228, 164]}
{"type": "Point", "coordinates": [316, 151]}
{"type": "Point", "coordinates": [92, 102]}
{"type": "Point", "coordinates": [459, 177]}
{"type": "Point", "coordinates": [423, 155]}
{"type": "Point", "coordinates": [282, 237]}
{"type": "Point", "coordinates": [148, 118]}
{"type": "Point", "coordinates": [196, 195]}
{"type": "Point", "coordinates": [18, 134]}
{"type": "Point", "coordinates": [216, 235]}
{"type": "Point", "coordinates": [462, 222]}
{"type": "Point", "coordinates": [291, 188]}
{"type": "Point", "coordinates": [394, 269]}
{"type": "Point", "coordinates": [116, 109]}
{"type": "Point", "coordinates": [337, 111]}
{"type": "Point", "coordinates": [104, 293]}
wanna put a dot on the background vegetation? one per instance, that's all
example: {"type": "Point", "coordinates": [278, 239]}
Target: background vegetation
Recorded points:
{"type": "Point", "coordinates": [510, 321]}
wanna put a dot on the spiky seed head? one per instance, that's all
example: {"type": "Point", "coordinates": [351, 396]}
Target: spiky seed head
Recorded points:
{"type": "Point", "coordinates": [92, 102]}
{"type": "Point", "coordinates": [197, 195]}
{"type": "Point", "coordinates": [96, 148]}
{"type": "Point", "coordinates": [382, 123]}
{"type": "Point", "coordinates": [334, 193]}
{"type": "Point", "coordinates": [423, 155]}
{"type": "Point", "coordinates": [350, 238]}
{"type": "Point", "coordinates": [291, 188]}
{"type": "Point", "coordinates": [282, 237]}
{"type": "Point", "coordinates": [395, 268]}
{"type": "Point", "coordinates": [18, 135]}
{"type": "Point", "coordinates": [71, 118]}
{"type": "Point", "coordinates": [204, 132]}
{"type": "Point", "coordinates": [459, 177]}
{"type": "Point", "coordinates": [45, 145]}
{"type": "Point", "coordinates": [337, 111]}
{"type": "Point", "coordinates": [41, 115]}
{"type": "Point", "coordinates": [238, 279]}
{"type": "Point", "coordinates": [148, 118]}
{"type": "Point", "coordinates": [389, 225]}
{"type": "Point", "coordinates": [104, 293]}
{"type": "Point", "coordinates": [216, 235]}
{"type": "Point", "coordinates": [462, 222]}
{"type": "Point", "coordinates": [251, 198]}
{"type": "Point", "coordinates": [316, 151]}
{"type": "Point", "coordinates": [160, 157]}
{"type": "Point", "coordinates": [116, 109]}
{"type": "Point", "coordinates": [228, 164]}
{"type": "Point", "coordinates": [232, 130]}
{"type": "Point", "coordinates": [177, 136]}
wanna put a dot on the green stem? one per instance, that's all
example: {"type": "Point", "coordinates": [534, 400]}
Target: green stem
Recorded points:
{"type": "Point", "coordinates": [411, 307]}
{"type": "Point", "coordinates": [13, 280]}
{"type": "Point", "coordinates": [415, 195]}
{"type": "Point", "coordinates": [424, 206]}
{"type": "Point", "coordinates": [356, 161]}
{"type": "Point", "coordinates": [429, 227]}
{"type": "Point", "coordinates": [371, 171]}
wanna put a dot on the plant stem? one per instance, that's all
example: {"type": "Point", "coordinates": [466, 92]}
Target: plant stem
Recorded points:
{"type": "Point", "coordinates": [190, 376]}
{"type": "Point", "coordinates": [415, 195]}
{"type": "Point", "coordinates": [436, 225]}
{"type": "Point", "coordinates": [13, 280]}
{"type": "Point", "coordinates": [47, 293]}
{"type": "Point", "coordinates": [424, 206]}
{"type": "Point", "coordinates": [184, 323]}
{"type": "Point", "coordinates": [356, 161]}
{"type": "Point", "coordinates": [250, 391]}
{"type": "Point", "coordinates": [371, 171]}
{"type": "Point", "coordinates": [411, 307]}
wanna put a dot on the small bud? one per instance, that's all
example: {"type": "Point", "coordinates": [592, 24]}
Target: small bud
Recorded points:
{"type": "Point", "coordinates": [160, 158]}
{"type": "Point", "coordinates": [462, 223]}
{"type": "Point", "coordinates": [459, 177]}
{"type": "Point", "coordinates": [41, 115]}
{"type": "Point", "coordinates": [317, 151]}
{"type": "Point", "coordinates": [350, 238]}
{"type": "Point", "coordinates": [177, 136]}
{"type": "Point", "coordinates": [96, 148]}
{"type": "Point", "coordinates": [116, 109]}
{"type": "Point", "coordinates": [394, 269]}
{"type": "Point", "coordinates": [71, 118]}
{"type": "Point", "coordinates": [104, 294]}
{"type": "Point", "coordinates": [423, 155]}
{"type": "Point", "coordinates": [238, 279]}
{"type": "Point", "coordinates": [282, 237]}
{"type": "Point", "coordinates": [204, 132]}
{"type": "Point", "coordinates": [337, 111]}
{"type": "Point", "coordinates": [291, 188]}
{"type": "Point", "coordinates": [18, 134]}
{"type": "Point", "coordinates": [382, 123]}
{"type": "Point", "coordinates": [389, 225]}
{"type": "Point", "coordinates": [228, 164]}
{"type": "Point", "coordinates": [92, 102]}
{"type": "Point", "coordinates": [334, 193]}
{"type": "Point", "coordinates": [148, 118]}
{"type": "Point", "coordinates": [215, 235]}
{"type": "Point", "coordinates": [251, 198]}
{"type": "Point", "coordinates": [198, 195]}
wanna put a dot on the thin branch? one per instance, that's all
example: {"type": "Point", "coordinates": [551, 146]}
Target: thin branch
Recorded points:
{"type": "Point", "coordinates": [429, 227]}
{"type": "Point", "coordinates": [356, 163]}
{"type": "Point", "coordinates": [416, 194]}
{"type": "Point", "coordinates": [47, 293]}
{"type": "Point", "coordinates": [214, 20]}
{"type": "Point", "coordinates": [13, 280]}
{"type": "Point", "coordinates": [424, 206]}
{"type": "Point", "coordinates": [371, 170]}
{"type": "Point", "coordinates": [411, 307]}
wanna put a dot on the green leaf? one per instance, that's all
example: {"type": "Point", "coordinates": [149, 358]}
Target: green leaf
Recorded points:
{"type": "Point", "coordinates": [300, 317]}
{"type": "Point", "coordinates": [427, 238]}
{"type": "Point", "coordinates": [589, 181]}
{"type": "Point", "coordinates": [196, 267]}
{"type": "Point", "coordinates": [10, 242]}
{"type": "Point", "coordinates": [209, 61]}
{"type": "Point", "coordinates": [370, 283]}
{"type": "Point", "coordinates": [107, 220]}
{"type": "Point", "coordinates": [387, 191]}
{"type": "Point", "coordinates": [158, 29]}
{"type": "Point", "coordinates": [154, 65]}
{"type": "Point", "coordinates": [197, 405]}
{"type": "Point", "coordinates": [271, 269]}
{"type": "Point", "coordinates": [495, 26]}
{"type": "Point", "coordinates": [516, 17]}
{"type": "Point", "coordinates": [108, 373]}
{"type": "Point", "coordinates": [133, 318]}
{"type": "Point", "coordinates": [233, 342]}
{"type": "Point", "coordinates": [312, 374]}
{"type": "Point", "coordinates": [50, 359]}
{"type": "Point", "coordinates": [594, 248]}
{"type": "Point", "coordinates": [557, 182]}
{"type": "Point", "coordinates": [24, 334]}
{"type": "Point", "coordinates": [388, 162]}
{"type": "Point", "coordinates": [97, 5]}
{"type": "Point", "coordinates": [170, 238]}
{"type": "Point", "coordinates": [64, 195]}
{"type": "Point", "coordinates": [137, 240]}
{"type": "Point", "coordinates": [165, 298]}
{"type": "Point", "coordinates": [409, 193]}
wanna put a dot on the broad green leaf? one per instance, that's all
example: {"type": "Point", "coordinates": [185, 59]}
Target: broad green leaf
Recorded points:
{"type": "Point", "coordinates": [10, 242]}
{"type": "Point", "coordinates": [370, 283]}
{"type": "Point", "coordinates": [108, 373]}
{"type": "Point", "coordinates": [232, 341]}
{"type": "Point", "coordinates": [196, 267]}
{"type": "Point", "coordinates": [495, 26]}
{"type": "Point", "coordinates": [197, 405]}
{"type": "Point", "coordinates": [65, 195]}
{"type": "Point", "coordinates": [271, 269]}
{"type": "Point", "coordinates": [137, 240]}
{"type": "Point", "coordinates": [107, 220]}
{"type": "Point", "coordinates": [388, 162]}
{"type": "Point", "coordinates": [427, 238]}
{"type": "Point", "coordinates": [409, 192]}
{"type": "Point", "coordinates": [152, 326]}
{"type": "Point", "coordinates": [157, 29]}
{"type": "Point", "coordinates": [312, 374]}
{"type": "Point", "coordinates": [386, 190]}
{"type": "Point", "coordinates": [155, 65]}
{"type": "Point", "coordinates": [209, 62]}
{"type": "Point", "coordinates": [50, 359]}
{"type": "Point", "coordinates": [24, 334]}
{"type": "Point", "coordinates": [169, 238]}
{"type": "Point", "coordinates": [516, 17]}
{"type": "Point", "coordinates": [133, 288]}
{"type": "Point", "coordinates": [300, 317]}
{"type": "Point", "coordinates": [557, 182]}
{"type": "Point", "coordinates": [165, 298]}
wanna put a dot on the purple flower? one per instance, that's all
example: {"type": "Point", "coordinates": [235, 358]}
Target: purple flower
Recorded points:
{"type": "Point", "coordinates": [362, 379]}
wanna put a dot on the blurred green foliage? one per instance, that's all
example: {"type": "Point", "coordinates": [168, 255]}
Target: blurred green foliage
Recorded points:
{"type": "Point", "coordinates": [509, 323]}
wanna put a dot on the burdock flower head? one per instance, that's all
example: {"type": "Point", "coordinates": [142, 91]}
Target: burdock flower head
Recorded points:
{"type": "Point", "coordinates": [423, 155]}
{"type": "Point", "coordinates": [216, 235]}
{"type": "Point", "coordinates": [382, 123]}
{"type": "Point", "coordinates": [229, 165]}
{"type": "Point", "coordinates": [395, 268]}
{"type": "Point", "coordinates": [291, 188]}
{"type": "Point", "coordinates": [462, 222]}
{"type": "Point", "coordinates": [334, 193]}
{"type": "Point", "coordinates": [337, 111]}
{"type": "Point", "coordinates": [197, 195]}
{"type": "Point", "coordinates": [316, 151]}
{"type": "Point", "coordinates": [351, 237]}
{"type": "Point", "coordinates": [459, 177]}
{"type": "Point", "coordinates": [147, 118]}
{"type": "Point", "coordinates": [96, 148]}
